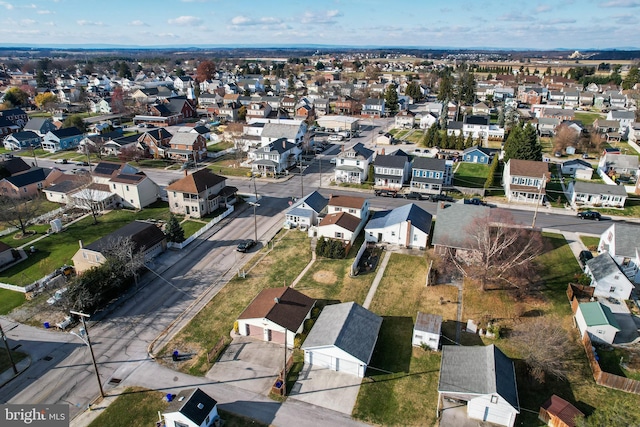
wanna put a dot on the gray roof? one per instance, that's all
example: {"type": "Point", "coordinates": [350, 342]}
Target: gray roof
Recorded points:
{"type": "Point", "coordinates": [428, 163]}
{"type": "Point", "coordinates": [595, 188]}
{"type": "Point", "coordinates": [428, 323]}
{"type": "Point", "coordinates": [577, 162]}
{"type": "Point", "coordinates": [453, 220]}
{"type": "Point", "coordinates": [279, 145]}
{"type": "Point", "coordinates": [419, 218]}
{"type": "Point", "coordinates": [602, 266]}
{"type": "Point", "coordinates": [316, 201]}
{"type": "Point", "coordinates": [627, 239]}
{"type": "Point", "coordinates": [622, 115]}
{"type": "Point", "coordinates": [280, 130]}
{"type": "Point", "coordinates": [621, 160]}
{"type": "Point", "coordinates": [361, 150]}
{"type": "Point", "coordinates": [478, 370]}
{"type": "Point", "coordinates": [454, 125]}
{"type": "Point", "coordinates": [390, 161]}
{"type": "Point", "coordinates": [194, 404]}
{"type": "Point", "coordinates": [348, 326]}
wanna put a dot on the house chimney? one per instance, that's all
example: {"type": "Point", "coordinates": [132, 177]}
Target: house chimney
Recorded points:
{"type": "Point", "coordinates": [441, 205]}
{"type": "Point", "coordinates": [186, 172]}
{"type": "Point", "coordinates": [284, 143]}
{"type": "Point", "coordinates": [80, 243]}
{"type": "Point", "coordinates": [382, 151]}
{"type": "Point", "coordinates": [408, 240]}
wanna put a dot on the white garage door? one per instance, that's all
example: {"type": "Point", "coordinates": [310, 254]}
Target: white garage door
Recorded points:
{"type": "Point", "coordinates": [319, 360]}
{"type": "Point", "coordinates": [347, 367]}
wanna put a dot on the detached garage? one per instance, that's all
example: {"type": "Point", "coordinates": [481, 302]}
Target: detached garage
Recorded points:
{"type": "Point", "coordinates": [343, 339]}
{"type": "Point", "coordinates": [273, 311]}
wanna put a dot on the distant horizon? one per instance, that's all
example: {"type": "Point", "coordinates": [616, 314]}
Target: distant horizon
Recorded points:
{"type": "Point", "coordinates": [519, 25]}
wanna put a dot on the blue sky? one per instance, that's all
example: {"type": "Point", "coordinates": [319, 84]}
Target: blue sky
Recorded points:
{"type": "Point", "coordinates": [571, 24]}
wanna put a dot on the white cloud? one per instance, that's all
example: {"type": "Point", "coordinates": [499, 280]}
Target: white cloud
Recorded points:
{"type": "Point", "coordinates": [185, 20]}
{"type": "Point", "coordinates": [515, 17]}
{"type": "Point", "coordinates": [138, 23]}
{"type": "Point", "coordinates": [241, 20]}
{"type": "Point", "coordinates": [84, 22]}
{"type": "Point", "coordinates": [621, 3]}
{"type": "Point", "coordinates": [543, 8]}
{"type": "Point", "coordinates": [27, 21]}
{"type": "Point", "coordinates": [7, 6]}
{"type": "Point", "coordinates": [44, 12]}
{"type": "Point", "coordinates": [327, 17]}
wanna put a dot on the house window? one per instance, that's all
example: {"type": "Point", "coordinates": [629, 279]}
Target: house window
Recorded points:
{"type": "Point", "coordinates": [393, 234]}
{"type": "Point", "coordinates": [352, 211]}
{"type": "Point", "coordinates": [494, 399]}
{"type": "Point", "coordinates": [339, 235]}
{"type": "Point", "coordinates": [84, 255]}
{"type": "Point", "coordinates": [127, 188]}
{"type": "Point", "coordinates": [626, 261]}
{"type": "Point", "coordinates": [613, 288]}
{"type": "Point", "coordinates": [114, 186]}
{"type": "Point", "coordinates": [600, 332]}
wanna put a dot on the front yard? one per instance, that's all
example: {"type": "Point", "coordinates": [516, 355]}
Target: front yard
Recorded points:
{"type": "Point", "coordinates": [471, 175]}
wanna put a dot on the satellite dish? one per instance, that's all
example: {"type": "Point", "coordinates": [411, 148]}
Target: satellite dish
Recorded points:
{"type": "Point", "coordinates": [276, 300]}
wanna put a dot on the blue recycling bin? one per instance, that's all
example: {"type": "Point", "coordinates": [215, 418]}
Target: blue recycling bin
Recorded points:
{"type": "Point", "coordinates": [46, 325]}
{"type": "Point", "coordinates": [169, 397]}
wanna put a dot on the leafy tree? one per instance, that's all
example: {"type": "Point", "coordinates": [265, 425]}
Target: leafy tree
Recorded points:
{"type": "Point", "coordinates": [391, 99]}
{"type": "Point", "coordinates": [75, 120]}
{"type": "Point", "coordinates": [242, 113]}
{"type": "Point", "coordinates": [467, 88]}
{"type": "Point", "coordinates": [632, 77]}
{"type": "Point", "coordinates": [501, 117]}
{"type": "Point", "coordinates": [319, 66]}
{"type": "Point", "coordinates": [445, 88]}
{"type": "Point", "coordinates": [46, 101]}
{"type": "Point", "coordinates": [16, 97]}
{"type": "Point", "coordinates": [205, 71]}
{"type": "Point", "coordinates": [175, 233]}
{"type": "Point", "coordinates": [510, 118]}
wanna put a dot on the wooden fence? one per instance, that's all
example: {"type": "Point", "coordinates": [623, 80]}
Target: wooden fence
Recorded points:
{"type": "Point", "coordinates": [607, 379]}
{"type": "Point", "coordinates": [212, 355]}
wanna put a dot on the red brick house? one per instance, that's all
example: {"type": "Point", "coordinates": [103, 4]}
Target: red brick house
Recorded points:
{"type": "Point", "coordinates": [187, 146]}
{"type": "Point", "coordinates": [155, 142]}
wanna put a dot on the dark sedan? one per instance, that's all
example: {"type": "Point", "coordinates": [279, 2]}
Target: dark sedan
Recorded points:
{"type": "Point", "coordinates": [590, 215]}
{"type": "Point", "coordinates": [413, 195]}
{"type": "Point", "coordinates": [246, 245]}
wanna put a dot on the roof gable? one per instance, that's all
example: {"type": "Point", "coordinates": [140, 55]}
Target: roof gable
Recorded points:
{"type": "Point", "coordinates": [197, 182]}
{"type": "Point", "coordinates": [143, 235]}
{"type": "Point", "coordinates": [283, 306]}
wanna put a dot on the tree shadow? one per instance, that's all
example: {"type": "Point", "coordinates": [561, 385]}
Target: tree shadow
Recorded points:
{"type": "Point", "coordinates": [393, 349]}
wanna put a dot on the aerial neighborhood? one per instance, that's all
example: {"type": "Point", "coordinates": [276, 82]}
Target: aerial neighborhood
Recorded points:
{"type": "Point", "coordinates": [387, 238]}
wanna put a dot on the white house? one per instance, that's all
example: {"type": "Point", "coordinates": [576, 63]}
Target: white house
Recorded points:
{"type": "Point", "coordinates": [483, 377]}
{"type": "Point", "coordinates": [598, 321]}
{"type": "Point", "coordinates": [525, 180]}
{"type": "Point", "coordinates": [352, 165]}
{"type": "Point", "coordinates": [426, 119]}
{"type": "Point", "coordinates": [577, 168]}
{"type": "Point", "coordinates": [624, 117]}
{"type": "Point", "coordinates": [191, 408]}
{"type": "Point", "coordinates": [306, 211]}
{"type": "Point", "coordinates": [391, 171]}
{"type": "Point", "coordinates": [607, 278]}
{"type": "Point", "coordinates": [407, 226]}
{"type": "Point", "coordinates": [133, 188]}
{"type": "Point", "coordinates": [274, 311]}
{"type": "Point", "coordinates": [356, 206]}
{"type": "Point", "coordinates": [592, 194]}
{"type": "Point", "coordinates": [622, 242]}
{"type": "Point", "coordinates": [343, 339]}
{"type": "Point", "coordinates": [275, 158]}
{"type": "Point", "coordinates": [426, 331]}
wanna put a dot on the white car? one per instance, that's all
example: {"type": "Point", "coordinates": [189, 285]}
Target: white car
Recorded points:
{"type": "Point", "coordinates": [335, 138]}
{"type": "Point", "coordinates": [57, 296]}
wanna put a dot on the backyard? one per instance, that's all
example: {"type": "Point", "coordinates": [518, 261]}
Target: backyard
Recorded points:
{"type": "Point", "coordinates": [471, 175]}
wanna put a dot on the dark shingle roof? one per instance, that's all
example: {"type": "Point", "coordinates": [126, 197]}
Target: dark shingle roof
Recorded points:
{"type": "Point", "coordinates": [453, 220]}
{"type": "Point", "coordinates": [14, 165]}
{"type": "Point", "coordinates": [289, 312]}
{"type": "Point", "coordinates": [194, 404]}
{"type": "Point", "coordinates": [477, 120]}
{"type": "Point", "coordinates": [197, 182]}
{"type": "Point", "coordinates": [316, 201]}
{"type": "Point", "coordinates": [390, 161]}
{"type": "Point", "coordinates": [428, 163]}
{"type": "Point", "coordinates": [25, 135]}
{"type": "Point", "coordinates": [66, 132]}
{"type": "Point", "coordinates": [348, 326]}
{"type": "Point", "coordinates": [478, 370]}
{"type": "Point", "coordinates": [30, 176]}
{"type": "Point", "coordinates": [341, 219]}
{"type": "Point", "coordinates": [143, 234]}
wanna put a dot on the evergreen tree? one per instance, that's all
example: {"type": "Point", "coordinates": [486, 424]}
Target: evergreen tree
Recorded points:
{"type": "Point", "coordinates": [511, 146]}
{"type": "Point", "coordinates": [501, 117]}
{"type": "Point", "coordinates": [492, 172]}
{"type": "Point", "coordinates": [460, 140]}
{"type": "Point", "coordinates": [174, 233]}
{"type": "Point", "coordinates": [445, 88]}
{"type": "Point", "coordinates": [523, 144]}
{"type": "Point", "coordinates": [391, 99]}
{"type": "Point", "coordinates": [533, 147]}
{"type": "Point", "coordinates": [469, 142]}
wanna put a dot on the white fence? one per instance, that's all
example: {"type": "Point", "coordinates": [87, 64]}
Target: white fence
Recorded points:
{"type": "Point", "coordinates": [200, 232]}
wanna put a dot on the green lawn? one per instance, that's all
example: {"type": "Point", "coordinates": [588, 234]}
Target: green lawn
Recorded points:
{"type": "Point", "coordinates": [10, 300]}
{"type": "Point", "coordinates": [220, 146]}
{"type": "Point", "coordinates": [134, 407]}
{"type": "Point", "coordinates": [280, 266]}
{"type": "Point", "coordinates": [190, 227]}
{"type": "Point", "coordinates": [587, 119]}
{"type": "Point", "coordinates": [228, 165]}
{"type": "Point", "coordinates": [11, 240]}
{"type": "Point", "coordinates": [471, 175]}
{"type": "Point", "coordinates": [57, 249]}
{"type": "Point", "coordinates": [590, 242]}
{"type": "Point", "coordinates": [153, 163]}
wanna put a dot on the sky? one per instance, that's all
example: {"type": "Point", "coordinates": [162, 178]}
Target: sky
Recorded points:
{"type": "Point", "coordinates": [516, 24]}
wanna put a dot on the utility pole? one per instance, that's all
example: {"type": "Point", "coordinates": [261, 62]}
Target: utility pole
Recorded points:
{"type": "Point", "coordinates": [540, 187]}
{"type": "Point", "coordinates": [301, 181]}
{"type": "Point", "coordinates": [88, 342]}
{"type": "Point", "coordinates": [6, 345]}
{"type": "Point", "coordinates": [255, 205]}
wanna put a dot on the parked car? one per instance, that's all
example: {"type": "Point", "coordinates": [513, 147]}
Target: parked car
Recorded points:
{"type": "Point", "coordinates": [62, 161]}
{"type": "Point", "coordinates": [584, 256]}
{"type": "Point", "coordinates": [246, 245]}
{"type": "Point", "coordinates": [335, 137]}
{"type": "Point", "coordinates": [590, 215]}
{"type": "Point", "coordinates": [386, 193]}
{"type": "Point", "coordinates": [412, 195]}
{"type": "Point", "coordinates": [57, 296]}
{"type": "Point", "coordinates": [333, 161]}
{"type": "Point", "coordinates": [441, 198]}
{"type": "Point", "coordinates": [475, 201]}
{"type": "Point", "coordinates": [82, 163]}
{"type": "Point", "coordinates": [79, 171]}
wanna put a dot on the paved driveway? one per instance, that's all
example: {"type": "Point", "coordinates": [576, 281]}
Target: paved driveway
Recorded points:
{"type": "Point", "coordinates": [249, 364]}
{"type": "Point", "coordinates": [323, 387]}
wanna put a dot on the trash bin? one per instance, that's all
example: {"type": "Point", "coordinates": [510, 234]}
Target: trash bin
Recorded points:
{"type": "Point", "coordinates": [46, 325]}
{"type": "Point", "coordinates": [175, 356]}
{"type": "Point", "coordinates": [169, 397]}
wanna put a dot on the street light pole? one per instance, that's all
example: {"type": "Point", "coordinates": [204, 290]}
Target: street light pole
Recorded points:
{"type": "Point", "coordinates": [6, 345]}
{"type": "Point", "coordinates": [88, 342]}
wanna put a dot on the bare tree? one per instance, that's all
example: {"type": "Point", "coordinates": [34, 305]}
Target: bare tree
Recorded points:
{"type": "Point", "coordinates": [123, 252]}
{"type": "Point", "coordinates": [90, 197]}
{"type": "Point", "coordinates": [497, 251]}
{"type": "Point", "coordinates": [545, 345]}
{"type": "Point", "coordinates": [18, 211]}
{"type": "Point", "coordinates": [565, 137]}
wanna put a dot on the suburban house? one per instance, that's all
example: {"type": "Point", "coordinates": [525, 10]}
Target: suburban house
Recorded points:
{"type": "Point", "coordinates": [598, 321]}
{"type": "Point", "coordinates": [557, 412]}
{"type": "Point", "coordinates": [427, 119]}
{"type": "Point", "coordinates": [27, 183]}
{"type": "Point", "coordinates": [61, 189]}
{"type": "Point", "coordinates": [156, 142]}
{"type": "Point", "coordinates": [274, 311]}
{"type": "Point", "coordinates": [306, 212]}
{"type": "Point", "coordinates": [407, 226]}
{"type": "Point", "coordinates": [616, 166]}
{"type": "Point", "coordinates": [62, 139]}
{"type": "Point", "coordinates": [591, 194]}
{"type": "Point", "coordinates": [430, 175]}
{"type": "Point", "coordinates": [275, 157]}
{"type": "Point", "coordinates": [478, 154]}
{"type": "Point", "coordinates": [525, 180]}
{"type": "Point", "coordinates": [292, 132]}
{"type": "Point", "coordinates": [355, 206]}
{"type": "Point", "coordinates": [624, 117]}
{"type": "Point", "coordinates": [352, 165]}
{"type": "Point", "coordinates": [622, 242]}
{"type": "Point", "coordinates": [22, 140]}
{"type": "Point", "coordinates": [186, 146]}
{"type": "Point", "coordinates": [453, 220]}
{"type": "Point", "coordinates": [426, 331]}
{"type": "Point", "coordinates": [577, 168]}
{"type": "Point", "coordinates": [17, 116]}
{"type": "Point", "coordinates": [476, 126]}
{"type": "Point", "coordinates": [7, 254]}
{"type": "Point", "coordinates": [343, 339]}
{"type": "Point", "coordinates": [405, 119]}
{"type": "Point", "coordinates": [346, 215]}
{"type": "Point", "coordinates": [546, 126]}
{"type": "Point", "coordinates": [607, 278]}
{"type": "Point", "coordinates": [373, 107]}
{"type": "Point", "coordinates": [481, 109]}
{"type": "Point", "coordinates": [191, 408]}
{"type": "Point", "coordinates": [133, 188]}
{"type": "Point", "coordinates": [484, 378]}
{"type": "Point", "coordinates": [12, 166]}
{"type": "Point", "coordinates": [145, 236]}
{"type": "Point", "coordinates": [391, 171]}
{"type": "Point", "coordinates": [199, 194]}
